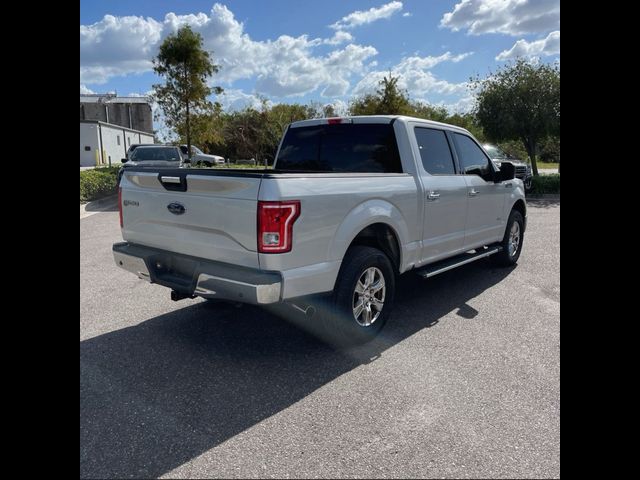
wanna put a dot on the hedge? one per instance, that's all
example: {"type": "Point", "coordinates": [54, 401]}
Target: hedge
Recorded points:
{"type": "Point", "coordinates": [98, 182]}
{"type": "Point", "coordinates": [545, 184]}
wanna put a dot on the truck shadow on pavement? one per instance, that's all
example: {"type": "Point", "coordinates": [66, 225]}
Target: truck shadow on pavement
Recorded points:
{"type": "Point", "coordinates": [155, 395]}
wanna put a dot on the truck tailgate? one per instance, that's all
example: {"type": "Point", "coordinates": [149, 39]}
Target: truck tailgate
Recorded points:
{"type": "Point", "coordinates": [194, 213]}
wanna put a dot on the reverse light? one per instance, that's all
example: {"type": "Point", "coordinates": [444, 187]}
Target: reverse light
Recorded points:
{"type": "Point", "coordinates": [275, 225]}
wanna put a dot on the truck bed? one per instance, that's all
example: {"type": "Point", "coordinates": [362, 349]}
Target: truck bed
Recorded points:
{"type": "Point", "coordinates": [219, 207]}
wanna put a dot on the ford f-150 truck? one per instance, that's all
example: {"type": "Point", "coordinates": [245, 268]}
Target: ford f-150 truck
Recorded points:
{"type": "Point", "coordinates": [350, 204]}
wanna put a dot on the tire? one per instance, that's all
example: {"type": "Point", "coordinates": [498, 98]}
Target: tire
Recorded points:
{"type": "Point", "coordinates": [361, 267]}
{"type": "Point", "coordinates": [514, 234]}
{"type": "Point", "coordinates": [528, 183]}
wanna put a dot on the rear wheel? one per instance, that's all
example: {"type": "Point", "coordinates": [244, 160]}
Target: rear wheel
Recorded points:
{"type": "Point", "coordinates": [362, 298]}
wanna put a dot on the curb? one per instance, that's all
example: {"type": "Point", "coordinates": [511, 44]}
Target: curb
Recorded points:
{"type": "Point", "coordinates": [99, 205]}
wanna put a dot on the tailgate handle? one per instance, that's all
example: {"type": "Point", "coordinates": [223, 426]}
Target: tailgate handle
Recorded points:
{"type": "Point", "coordinates": [170, 179]}
{"type": "Point", "coordinates": [173, 183]}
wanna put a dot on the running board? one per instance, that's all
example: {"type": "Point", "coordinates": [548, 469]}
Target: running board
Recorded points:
{"type": "Point", "coordinates": [451, 263]}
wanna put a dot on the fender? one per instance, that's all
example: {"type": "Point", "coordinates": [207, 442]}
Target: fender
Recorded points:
{"type": "Point", "coordinates": [361, 216]}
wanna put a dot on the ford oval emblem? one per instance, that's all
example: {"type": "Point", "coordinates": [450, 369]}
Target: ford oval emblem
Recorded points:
{"type": "Point", "coordinates": [176, 208]}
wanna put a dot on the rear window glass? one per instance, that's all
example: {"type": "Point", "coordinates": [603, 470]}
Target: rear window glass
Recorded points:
{"type": "Point", "coordinates": [155, 153]}
{"type": "Point", "coordinates": [340, 148]}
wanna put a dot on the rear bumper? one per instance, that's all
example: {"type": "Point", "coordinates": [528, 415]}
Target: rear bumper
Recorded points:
{"type": "Point", "coordinates": [197, 276]}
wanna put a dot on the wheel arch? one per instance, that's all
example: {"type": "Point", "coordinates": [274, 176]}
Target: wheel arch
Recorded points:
{"type": "Point", "coordinates": [376, 223]}
{"type": "Point", "coordinates": [521, 207]}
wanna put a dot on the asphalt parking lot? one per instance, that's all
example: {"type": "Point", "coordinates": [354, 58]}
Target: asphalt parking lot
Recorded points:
{"type": "Point", "coordinates": [463, 382]}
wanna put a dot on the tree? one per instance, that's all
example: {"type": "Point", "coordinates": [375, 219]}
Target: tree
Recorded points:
{"type": "Point", "coordinates": [521, 101]}
{"type": "Point", "coordinates": [389, 99]}
{"type": "Point", "coordinates": [185, 66]}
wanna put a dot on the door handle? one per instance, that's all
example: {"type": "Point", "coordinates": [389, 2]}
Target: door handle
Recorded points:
{"type": "Point", "coordinates": [433, 195]}
{"type": "Point", "coordinates": [508, 185]}
{"type": "Point", "coordinates": [473, 192]}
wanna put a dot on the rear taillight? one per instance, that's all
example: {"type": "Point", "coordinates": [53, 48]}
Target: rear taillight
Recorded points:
{"type": "Point", "coordinates": [275, 225]}
{"type": "Point", "coordinates": [120, 204]}
{"type": "Point", "coordinates": [334, 121]}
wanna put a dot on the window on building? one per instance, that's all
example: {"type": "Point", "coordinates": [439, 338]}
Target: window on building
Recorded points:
{"type": "Point", "coordinates": [129, 141]}
{"type": "Point", "coordinates": [118, 137]}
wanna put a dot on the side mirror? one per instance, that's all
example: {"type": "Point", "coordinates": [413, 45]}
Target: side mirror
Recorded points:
{"type": "Point", "coordinates": [186, 160]}
{"type": "Point", "coordinates": [125, 160]}
{"type": "Point", "coordinates": [507, 172]}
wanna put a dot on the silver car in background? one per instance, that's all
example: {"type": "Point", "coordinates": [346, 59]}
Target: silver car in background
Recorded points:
{"type": "Point", "coordinates": [198, 157]}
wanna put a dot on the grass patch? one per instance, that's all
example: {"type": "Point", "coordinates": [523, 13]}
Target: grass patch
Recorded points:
{"type": "Point", "coordinates": [98, 182]}
{"type": "Point", "coordinates": [547, 164]}
{"type": "Point", "coordinates": [545, 184]}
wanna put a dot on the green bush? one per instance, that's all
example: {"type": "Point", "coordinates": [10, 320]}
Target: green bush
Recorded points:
{"type": "Point", "coordinates": [98, 183]}
{"type": "Point", "coordinates": [545, 184]}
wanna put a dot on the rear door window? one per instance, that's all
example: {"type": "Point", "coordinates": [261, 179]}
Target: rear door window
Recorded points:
{"type": "Point", "coordinates": [340, 148]}
{"type": "Point", "coordinates": [434, 151]}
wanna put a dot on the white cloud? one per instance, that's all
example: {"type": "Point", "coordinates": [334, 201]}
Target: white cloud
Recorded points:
{"type": "Point", "coordinates": [407, 14]}
{"type": "Point", "coordinates": [361, 17]}
{"type": "Point", "coordinates": [339, 37]}
{"type": "Point", "coordinates": [236, 99]}
{"type": "Point", "coordinates": [340, 107]}
{"type": "Point", "coordinates": [545, 47]}
{"type": "Point", "coordinates": [84, 90]}
{"type": "Point", "coordinates": [462, 105]}
{"type": "Point", "coordinates": [415, 77]}
{"type": "Point", "coordinates": [423, 63]}
{"type": "Point", "coordinates": [286, 66]}
{"type": "Point", "coordinates": [512, 17]}
{"type": "Point", "coordinates": [117, 46]}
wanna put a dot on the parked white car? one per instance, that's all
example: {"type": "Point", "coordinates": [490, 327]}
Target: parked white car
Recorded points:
{"type": "Point", "coordinates": [198, 156]}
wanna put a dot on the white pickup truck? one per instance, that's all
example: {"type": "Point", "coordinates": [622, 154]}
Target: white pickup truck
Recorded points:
{"type": "Point", "coordinates": [350, 204]}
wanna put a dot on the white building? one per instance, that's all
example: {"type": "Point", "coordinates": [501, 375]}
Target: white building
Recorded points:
{"type": "Point", "coordinates": [104, 143]}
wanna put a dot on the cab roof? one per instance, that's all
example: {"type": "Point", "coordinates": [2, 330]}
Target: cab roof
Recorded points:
{"type": "Point", "coordinates": [371, 119]}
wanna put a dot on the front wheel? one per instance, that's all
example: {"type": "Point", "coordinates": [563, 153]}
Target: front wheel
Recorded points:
{"type": "Point", "coordinates": [512, 241]}
{"type": "Point", "coordinates": [362, 298]}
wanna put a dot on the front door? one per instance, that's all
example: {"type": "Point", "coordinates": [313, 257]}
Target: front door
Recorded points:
{"type": "Point", "coordinates": [485, 222]}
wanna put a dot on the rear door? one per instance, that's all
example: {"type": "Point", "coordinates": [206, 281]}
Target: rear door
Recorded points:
{"type": "Point", "coordinates": [485, 222]}
{"type": "Point", "coordinates": [208, 216]}
{"type": "Point", "coordinates": [445, 194]}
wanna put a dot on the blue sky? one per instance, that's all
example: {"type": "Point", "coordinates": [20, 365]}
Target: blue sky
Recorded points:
{"type": "Point", "coordinates": [326, 51]}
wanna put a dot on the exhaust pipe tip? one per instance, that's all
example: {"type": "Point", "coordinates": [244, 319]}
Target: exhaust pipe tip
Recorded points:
{"type": "Point", "coordinates": [308, 311]}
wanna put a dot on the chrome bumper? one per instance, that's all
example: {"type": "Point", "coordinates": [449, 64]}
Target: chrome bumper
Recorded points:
{"type": "Point", "coordinates": [201, 277]}
{"type": "Point", "coordinates": [209, 286]}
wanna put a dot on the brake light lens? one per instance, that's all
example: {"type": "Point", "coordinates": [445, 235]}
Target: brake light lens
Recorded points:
{"type": "Point", "coordinates": [334, 121]}
{"type": "Point", "coordinates": [120, 204]}
{"type": "Point", "coordinates": [275, 225]}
